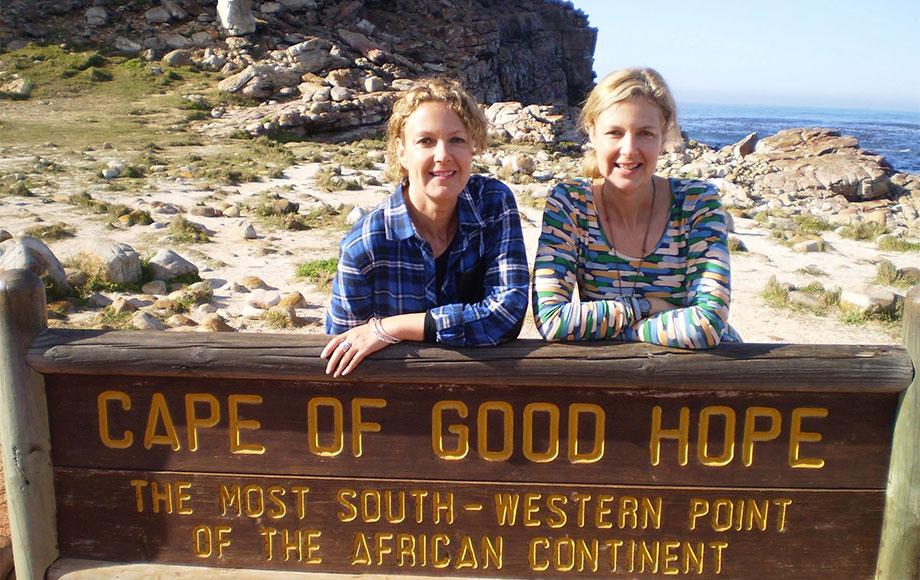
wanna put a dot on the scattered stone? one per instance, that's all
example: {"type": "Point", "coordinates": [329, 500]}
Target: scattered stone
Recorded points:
{"type": "Point", "coordinates": [254, 283]}
{"type": "Point", "coordinates": [867, 299]}
{"type": "Point", "coordinates": [293, 300]}
{"type": "Point", "coordinates": [75, 277]}
{"type": "Point", "coordinates": [17, 88]}
{"type": "Point", "coordinates": [355, 215]}
{"type": "Point", "coordinates": [263, 299]}
{"type": "Point", "coordinates": [808, 246]}
{"type": "Point", "coordinates": [214, 323]}
{"type": "Point", "coordinates": [120, 263]}
{"type": "Point", "coordinates": [168, 265]}
{"type": "Point", "coordinates": [252, 313]}
{"type": "Point", "coordinates": [129, 47]}
{"type": "Point", "coordinates": [180, 321]}
{"type": "Point", "coordinates": [96, 16]}
{"type": "Point", "coordinates": [145, 321]}
{"type": "Point", "coordinates": [99, 300]}
{"type": "Point", "coordinates": [248, 231]}
{"type": "Point", "coordinates": [745, 146]}
{"type": "Point", "coordinates": [121, 305]}
{"type": "Point", "coordinates": [178, 57]}
{"type": "Point", "coordinates": [5, 235]}
{"type": "Point", "coordinates": [158, 15]}
{"type": "Point", "coordinates": [33, 255]}
{"type": "Point", "coordinates": [804, 299]}
{"type": "Point", "coordinates": [205, 211]}
{"type": "Point", "coordinates": [155, 287]}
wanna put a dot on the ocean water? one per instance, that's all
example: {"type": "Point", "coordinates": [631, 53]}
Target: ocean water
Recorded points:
{"type": "Point", "coordinates": [895, 135]}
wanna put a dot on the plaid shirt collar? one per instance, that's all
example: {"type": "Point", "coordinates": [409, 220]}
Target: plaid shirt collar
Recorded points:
{"type": "Point", "coordinates": [399, 225]}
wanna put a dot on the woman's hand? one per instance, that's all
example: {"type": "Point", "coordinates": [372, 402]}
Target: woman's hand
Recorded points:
{"type": "Point", "coordinates": [348, 349]}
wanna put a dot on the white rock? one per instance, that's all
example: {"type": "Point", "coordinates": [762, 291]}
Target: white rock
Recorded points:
{"type": "Point", "coordinates": [263, 299]}
{"type": "Point", "coordinates": [354, 215]}
{"type": "Point", "coordinates": [867, 298]}
{"type": "Point", "coordinates": [248, 231]}
{"type": "Point", "coordinates": [144, 321]}
{"type": "Point", "coordinates": [168, 265]}
{"type": "Point", "coordinates": [96, 16]}
{"type": "Point", "coordinates": [236, 17]}
{"type": "Point", "coordinates": [122, 265]}
{"type": "Point", "coordinates": [33, 255]}
{"type": "Point", "coordinates": [252, 312]}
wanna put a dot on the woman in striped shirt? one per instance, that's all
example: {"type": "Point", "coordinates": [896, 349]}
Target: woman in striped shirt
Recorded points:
{"type": "Point", "coordinates": [647, 255]}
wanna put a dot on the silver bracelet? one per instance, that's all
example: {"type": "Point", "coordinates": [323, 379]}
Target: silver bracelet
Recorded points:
{"type": "Point", "coordinates": [382, 335]}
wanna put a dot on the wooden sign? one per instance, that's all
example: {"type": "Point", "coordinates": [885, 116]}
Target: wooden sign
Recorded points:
{"type": "Point", "coordinates": [514, 473]}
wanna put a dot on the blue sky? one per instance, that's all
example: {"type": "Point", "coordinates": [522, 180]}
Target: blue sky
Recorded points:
{"type": "Point", "coordinates": [838, 53]}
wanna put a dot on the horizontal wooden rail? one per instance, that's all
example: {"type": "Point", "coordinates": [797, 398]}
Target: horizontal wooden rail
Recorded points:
{"type": "Point", "coordinates": [756, 367]}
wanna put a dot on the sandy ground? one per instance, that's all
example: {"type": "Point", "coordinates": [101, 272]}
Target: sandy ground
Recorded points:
{"type": "Point", "coordinates": [275, 255]}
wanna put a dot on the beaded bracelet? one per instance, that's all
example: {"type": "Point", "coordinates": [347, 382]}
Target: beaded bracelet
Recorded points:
{"type": "Point", "coordinates": [381, 333]}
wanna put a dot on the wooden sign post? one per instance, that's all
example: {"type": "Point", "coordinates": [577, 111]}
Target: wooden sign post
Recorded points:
{"type": "Point", "coordinates": [529, 460]}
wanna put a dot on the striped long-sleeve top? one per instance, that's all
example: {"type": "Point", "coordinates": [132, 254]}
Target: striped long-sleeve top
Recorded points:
{"type": "Point", "coordinates": [688, 267]}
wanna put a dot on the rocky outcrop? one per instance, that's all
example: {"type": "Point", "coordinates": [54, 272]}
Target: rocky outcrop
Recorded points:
{"type": "Point", "coordinates": [531, 51]}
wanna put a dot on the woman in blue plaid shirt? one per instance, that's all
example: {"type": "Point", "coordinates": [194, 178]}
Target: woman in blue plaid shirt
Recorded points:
{"type": "Point", "coordinates": [442, 259]}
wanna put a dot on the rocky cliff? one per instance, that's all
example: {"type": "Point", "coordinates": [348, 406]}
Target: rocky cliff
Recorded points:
{"type": "Point", "coordinates": [531, 51]}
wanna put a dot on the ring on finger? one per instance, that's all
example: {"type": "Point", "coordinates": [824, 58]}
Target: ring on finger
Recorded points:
{"type": "Point", "coordinates": [344, 346]}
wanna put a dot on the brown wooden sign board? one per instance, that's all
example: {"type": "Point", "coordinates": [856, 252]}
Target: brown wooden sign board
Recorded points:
{"type": "Point", "coordinates": [471, 480]}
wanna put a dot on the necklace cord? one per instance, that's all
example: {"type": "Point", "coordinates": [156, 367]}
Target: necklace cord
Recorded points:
{"type": "Point", "coordinates": [648, 227]}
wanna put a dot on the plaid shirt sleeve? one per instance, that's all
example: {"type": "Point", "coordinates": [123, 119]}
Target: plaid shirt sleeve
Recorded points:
{"type": "Point", "coordinates": [498, 317]}
{"type": "Point", "coordinates": [352, 301]}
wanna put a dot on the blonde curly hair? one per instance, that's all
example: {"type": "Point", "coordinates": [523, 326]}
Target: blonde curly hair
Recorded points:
{"type": "Point", "coordinates": [438, 91]}
{"type": "Point", "coordinates": [620, 86]}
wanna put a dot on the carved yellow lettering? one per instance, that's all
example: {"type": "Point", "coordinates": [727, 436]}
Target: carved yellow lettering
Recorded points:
{"type": "Point", "coordinates": [587, 555]}
{"type": "Point", "coordinates": [275, 493]}
{"type": "Point", "coordinates": [698, 508]}
{"type": "Point", "coordinates": [382, 545]}
{"type": "Point", "coordinates": [563, 554]}
{"type": "Point", "coordinates": [229, 497]}
{"type": "Point", "coordinates": [797, 436]}
{"type": "Point", "coordinates": [493, 552]}
{"type": "Point", "coordinates": [300, 492]}
{"type": "Point", "coordinates": [194, 422]}
{"type": "Point", "coordinates": [236, 424]}
{"type": "Point", "coordinates": [102, 400]}
{"type": "Point", "coordinates": [681, 434]}
{"type": "Point", "coordinates": [601, 509]}
{"type": "Point", "coordinates": [159, 413]}
{"type": "Point", "coordinates": [443, 504]}
{"type": "Point", "coordinates": [461, 431]}
{"type": "Point", "coordinates": [576, 410]}
{"type": "Point", "coordinates": [669, 557]}
{"type": "Point", "coordinates": [507, 427]}
{"type": "Point", "coordinates": [338, 433]}
{"type": "Point", "coordinates": [405, 550]}
{"type": "Point", "coordinates": [531, 508]}
{"type": "Point", "coordinates": [554, 501]}
{"type": "Point", "coordinates": [728, 438]}
{"type": "Point", "coordinates": [436, 560]}
{"type": "Point", "coordinates": [254, 499]}
{"type": "Point", "coordinates": [360, 553]}
{"type": "Point", "coordinates": [349, 511]}
{"type": "Point", "coordinates": [467, 557]}
{"type": "Point", "coordinates": [182, 496]}
{"type": "Point", "coordinates": [139, 485]}
{"type": "Point", "coordinates": [552, 436]}
{"type": "Point", "coordinates": [752, 435]}
{"type": "Point", "coordinates": [358, 426]}
{"type": "Point", "coordinates": [538, 564]}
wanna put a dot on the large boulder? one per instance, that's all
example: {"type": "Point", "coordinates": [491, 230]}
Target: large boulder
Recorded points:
{"type": "Point", "coordinates": [822, 163]}
{"type": "Point", "coordinates": [236, 17]}
{"type": "Point", "coordinates": [31, 254]}
{"type": "Point", "coordinates": [120, 263]}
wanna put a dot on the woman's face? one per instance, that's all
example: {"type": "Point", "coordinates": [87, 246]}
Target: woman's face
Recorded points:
{"type": "Point", "coordinates": [628, 138]}
{"type": "Point", "coordinates": [437, 151]}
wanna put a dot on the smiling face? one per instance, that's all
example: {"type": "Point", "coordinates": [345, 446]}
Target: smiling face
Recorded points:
{"type": "Point", "coordinates": [628, 137]}
{"type": "Point", "coordinates": [437, 151]}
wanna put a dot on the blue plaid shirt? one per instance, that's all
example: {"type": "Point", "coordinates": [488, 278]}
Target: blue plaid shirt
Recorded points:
{"type": "Point", "coordinates": [386, 268]}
